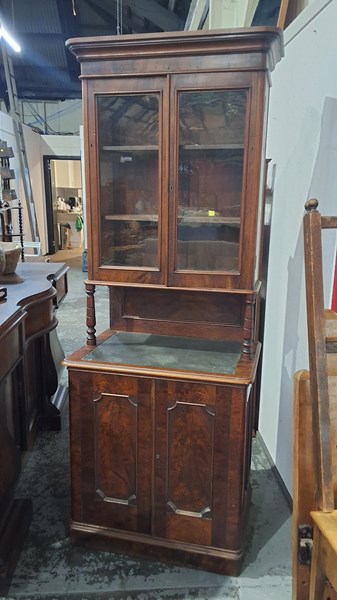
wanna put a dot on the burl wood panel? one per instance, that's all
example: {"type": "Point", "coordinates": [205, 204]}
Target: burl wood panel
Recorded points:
{"type": "Point", "coordinates": [115, 441]}
{"type": "Point", "coordinates": [201, 463]}
{"type": "Point", "coordinates": [111, 454]}
{"type": "Point", "coordinates": [190, 436]}
{"type": "Point", "coordinates": [173, 312]}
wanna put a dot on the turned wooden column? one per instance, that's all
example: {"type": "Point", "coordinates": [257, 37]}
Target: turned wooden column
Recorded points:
{"type": "Point", "coordinates": [248, 344]}
{"type": "Point", "coordinates": [91, 314]}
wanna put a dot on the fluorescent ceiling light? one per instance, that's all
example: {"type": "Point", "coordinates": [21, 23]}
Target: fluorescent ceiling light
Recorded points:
{"type": "Point", "coordinates": [9, 39]}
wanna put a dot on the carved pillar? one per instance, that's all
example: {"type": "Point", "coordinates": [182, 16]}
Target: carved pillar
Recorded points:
{"type": "Point", "coordinates": [91, 314]}
{"type": "Point", "coordinates": [248, 343]}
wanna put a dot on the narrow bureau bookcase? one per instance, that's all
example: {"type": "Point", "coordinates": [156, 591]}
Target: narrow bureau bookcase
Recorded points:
{"type": "Point", "coordinates": [162, 404]}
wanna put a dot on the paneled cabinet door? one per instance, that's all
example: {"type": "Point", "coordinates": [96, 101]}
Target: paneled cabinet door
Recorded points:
{"type": "Point", "coordinates": [111, 450]}
{"type": "Point", "coordinates": [200, 464]}
{"type": "Point", "coordinates": [127, 222]}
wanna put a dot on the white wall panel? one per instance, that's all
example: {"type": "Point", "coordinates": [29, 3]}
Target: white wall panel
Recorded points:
{"type": "Point", "coordinates": [302, 113]}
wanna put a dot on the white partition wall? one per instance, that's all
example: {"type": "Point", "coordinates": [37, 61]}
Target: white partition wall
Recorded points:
{"type": "Point", "coordinates": [302, 142]}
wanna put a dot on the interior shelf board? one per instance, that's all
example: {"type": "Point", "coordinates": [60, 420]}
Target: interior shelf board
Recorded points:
{"type": "Point", "coordinates": [184, 219]}
{"type": "Point", "coordinates": [130, 148]}
{"type": "Point", "coordinates": [210, 220]}
{"type": "Point", "coordinates": [212, 146]}
{"type": "Point", "coordinates": [152, 218]}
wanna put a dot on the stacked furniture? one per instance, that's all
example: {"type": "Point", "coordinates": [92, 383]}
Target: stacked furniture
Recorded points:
{"type": "Point", "coordinates": [162, 404]}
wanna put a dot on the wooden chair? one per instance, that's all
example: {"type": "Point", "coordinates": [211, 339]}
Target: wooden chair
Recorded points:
{"type": "Point", "coordinates": [305, 497]}
{"type": "Point", "coordinates": [315, 433]}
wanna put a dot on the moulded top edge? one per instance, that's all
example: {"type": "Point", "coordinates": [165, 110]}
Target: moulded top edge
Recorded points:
{"type": "Point", "coordinates": [218, 40]}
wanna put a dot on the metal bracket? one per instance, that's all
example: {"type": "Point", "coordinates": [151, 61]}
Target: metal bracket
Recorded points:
{"type": "Point", "coordinates": [304, 544]}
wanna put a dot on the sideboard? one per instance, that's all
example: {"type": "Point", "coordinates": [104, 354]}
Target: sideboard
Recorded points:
{"type": "Point", "coordinates": [30, 397]}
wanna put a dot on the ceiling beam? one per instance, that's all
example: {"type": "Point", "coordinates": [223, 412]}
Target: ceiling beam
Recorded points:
{"type": "Point", "coordinates": [108, 15]}
{"type": "Point", "coordinates": [69, 28]}
{"type": "Point", "coordinates": [160, 17]}
{"type": "Point", "coordinates": [197, 14]}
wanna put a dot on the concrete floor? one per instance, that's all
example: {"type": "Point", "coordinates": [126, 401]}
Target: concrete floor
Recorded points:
{"type": "Point", "coordinates": [51, 568]}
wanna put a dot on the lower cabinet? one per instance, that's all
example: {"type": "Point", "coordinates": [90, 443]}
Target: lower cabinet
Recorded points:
{"type": "Point", "coordinates": [161, 467]}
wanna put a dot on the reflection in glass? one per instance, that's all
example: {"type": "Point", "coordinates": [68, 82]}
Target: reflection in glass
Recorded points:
{"type": "Point", "coordinates": [128, 131]}
{"type": "Point", "coordinates": [210, 169]}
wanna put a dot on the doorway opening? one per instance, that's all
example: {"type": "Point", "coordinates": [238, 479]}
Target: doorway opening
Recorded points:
{"type": "Point", "coordinates": [64, 208]}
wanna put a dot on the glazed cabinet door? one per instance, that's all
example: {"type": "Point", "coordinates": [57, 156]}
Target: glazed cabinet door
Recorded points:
{"type": "Point", "coordinates": [202, 453]}
{"type": "Point", "coordinates": [215, 156]}
{"type": "Point", "coordinates": [111, 450]}
{"type": "Point", "coordinates": [126, 178]}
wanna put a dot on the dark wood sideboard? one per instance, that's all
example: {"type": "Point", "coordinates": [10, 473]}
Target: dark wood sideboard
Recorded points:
{"type": "Point", "coordinates": [30, 397]}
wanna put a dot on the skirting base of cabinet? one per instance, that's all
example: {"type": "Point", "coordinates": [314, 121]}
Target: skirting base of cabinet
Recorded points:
{"type": "Point", "coordinates": [224, 562]}
{"type": "Point", "coordinates": [12, 535]}
{"type": "Point", "coordinates": [52, 419]}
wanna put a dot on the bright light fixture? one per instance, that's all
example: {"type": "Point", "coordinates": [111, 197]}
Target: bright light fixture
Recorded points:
{"type": "Point", "coordinates": [9, 39]}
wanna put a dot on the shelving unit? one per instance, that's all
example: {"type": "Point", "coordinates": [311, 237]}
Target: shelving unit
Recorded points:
{"type": "Point", "coordinates": [9, 201]}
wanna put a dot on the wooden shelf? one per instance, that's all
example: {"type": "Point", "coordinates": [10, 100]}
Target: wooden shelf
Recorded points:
{"type": "Point", "coordinates": [151, 218]}
{"type": "Point", "coordinates": [141, 148]}
{"type": "Point", "coordinates": [183, 219]}
{"type": "Point", "coordinates": [211, 146]}
{"type": "Point", "coordinates": [209, 220]}
{"type": "Point", "coordinates": [127, 149]}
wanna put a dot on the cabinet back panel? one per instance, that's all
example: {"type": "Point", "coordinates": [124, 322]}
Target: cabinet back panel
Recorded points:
{"type": "Point", "coordinates": [172, 312]}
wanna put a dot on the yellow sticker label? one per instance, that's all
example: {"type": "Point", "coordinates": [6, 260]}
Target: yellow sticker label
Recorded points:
{"type": "Point", "coordinates": [211, 213]}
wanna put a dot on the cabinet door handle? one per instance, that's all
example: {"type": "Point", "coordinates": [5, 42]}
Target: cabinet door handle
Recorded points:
{"type": "Point", "coordinates": [157, 456]}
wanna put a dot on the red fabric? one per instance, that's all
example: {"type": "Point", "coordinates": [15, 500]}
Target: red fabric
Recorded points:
{"type": "Point", "coordinates": [334, 291]}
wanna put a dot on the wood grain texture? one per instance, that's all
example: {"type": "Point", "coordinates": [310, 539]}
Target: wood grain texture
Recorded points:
{"type": "Point", "coordinates": [166, 458]}
{"type": "Point", "coordinates": [172, 312]}
{"type": "Point", "coordinates": [197, 61]}
{"type": "Point", "coordinates": [317, 356]}
{"type": "Point", "coordinates": [304, 488]}
{"type": "Point", "coordinates": [110, 457]}
{"type": "Point", "coordinates": [95, 54]}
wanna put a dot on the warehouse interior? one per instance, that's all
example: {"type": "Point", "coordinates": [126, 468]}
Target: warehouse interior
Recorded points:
{"type": "Point", "coordinates": [300, 149]}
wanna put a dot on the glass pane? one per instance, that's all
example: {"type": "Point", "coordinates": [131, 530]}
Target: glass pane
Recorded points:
{"type": "Point", "coordinates": [210, 168]}
{"type": "Point", "coordinates": [128, 128]}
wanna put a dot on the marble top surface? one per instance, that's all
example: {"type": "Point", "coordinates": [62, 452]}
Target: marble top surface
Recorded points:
{"type": "Point", "coordinates": [168, 352]}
